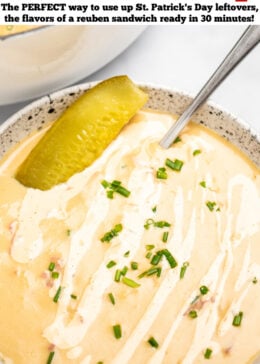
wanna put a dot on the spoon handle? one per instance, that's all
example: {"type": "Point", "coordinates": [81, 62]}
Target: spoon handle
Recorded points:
{"type": "Point", "coordinates": [244, 45]}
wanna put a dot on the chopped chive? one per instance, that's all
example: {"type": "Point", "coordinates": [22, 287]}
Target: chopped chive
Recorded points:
{"type": "Point", "coordinates": [196, 152]}
{"type": "Point", "coordinates": [204, 290]}
{"type": "Point", "coordinates": [117, 331]}
{"type": "Point", "coordinates": [142, 275]}
{"type": "Point", "coordinates": [73, 296]}
{"type": "Point", "coordinates": [193, 314]}
{"type": "Point", "coordinates": [183, 269]}
{"type": "Point", "coordinates": [127, 254]}
{"type": "Point", "coordinates": [134, 265]}
{"type": "Point", "coordinates": [51, 266]}
{"type": "Point", "coordinates": [156, 258]}
{"type": "Point", "coordinates": [148, 255]}
{"type": "Point", "coordinates": [153, 342]}
{"type": "Point", "coordinates": [100, 362]}
{"type": "Point", "coordinates": [177, 140]}
{"type": "Point", "coordinates": [110, 194]}
{"type": "Point", "coordinates": [105, 184]}
{"type": "Point", "coordinates": [165, 236]}
{"type": "Point", "coordinates": [112, 233]}
{"type": "Point", "coordinates": [115, 184]}
{"type": "Point", "coordinates": [161, 224]}
{"type": "Point", "coordinates": [254, 280]}
{"type": "Point", "coordinates": [68, 232]}
{"type": "Point", "coordinates": [152, 271]}
{"type": "Point", "coordinates": [161, 173]}
{"type": "Point", "coordinates": [111, 264]}
{"type": "Point", "coordinates": [129, 282]}
{"type": "Point", "coordinates": [149, 247]}
{"type": "Point", "coordinates": [55, 275]}
{"type": "Point", "coordinates": [118, 228]}
{"type": "Point", "coordinates": [123, 191]}
{"type": "Point", "coordinates": [117, 187]}
{"type": "Point", "coordinates": [171, 260]}
{"type": "Point", "coordinates": [57, 295]}
{"type": "Point", "coordinates": [237, 319]}
{"type": "Point", "coordinates": [203, 184]}
{"type": "Point", "coordinates": [207, 353]}
{"type": "Point", "coordinates": [154, 209]}
{"type": "Point", "coordinates": [159, 271]}
{"type": "Point", "coordinates": [211, 205]}
{"type": "Point", "coordinates": [112, 298]}
{"type": "Point", "coordinates": [117, 275]}
{"type": "Point", "coordinates": [148, 223]}
{"type": "Point", "coordinates": [176, 165]}
{"type": "Point", "coordinates": [50, 357]}
{"type": "Point", "coordinates": [124, 271]}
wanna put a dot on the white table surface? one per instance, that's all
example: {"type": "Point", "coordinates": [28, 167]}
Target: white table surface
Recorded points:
{"type": "Point", "coordinates": [183, 57]}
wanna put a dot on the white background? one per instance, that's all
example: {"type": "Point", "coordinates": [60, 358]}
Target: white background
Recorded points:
{"type": "Point", "coordinates": [60, 10]}
{"type": "Point", "coordinates": [183, 57]}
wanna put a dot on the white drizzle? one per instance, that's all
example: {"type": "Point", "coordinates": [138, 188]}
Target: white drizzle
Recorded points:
{"type": "Point", "coordinates": [67, 336]}
{"type": "Point", "coordinates": [166, 287]}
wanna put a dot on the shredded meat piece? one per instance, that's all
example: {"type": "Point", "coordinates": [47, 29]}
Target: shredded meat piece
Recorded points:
{"type": "Point", "coordinates": [198, 304]}
{"type": "Point", "coordinates": [51, 347]}
{"type": "Point", "coordinates": [227, 350]}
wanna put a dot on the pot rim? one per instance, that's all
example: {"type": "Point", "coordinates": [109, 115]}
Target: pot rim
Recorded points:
{"type": "Point", "coordinates": [24, 32]}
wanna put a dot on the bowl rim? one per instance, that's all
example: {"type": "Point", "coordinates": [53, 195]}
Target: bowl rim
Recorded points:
{"type": "Point", "coordinates": [208, 102]}
{"type": "Point", "coordinates": [86, 85]}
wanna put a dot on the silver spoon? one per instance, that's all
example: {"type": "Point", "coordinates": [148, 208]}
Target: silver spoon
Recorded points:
{"type": "Point", "coordinates": [244, 45]}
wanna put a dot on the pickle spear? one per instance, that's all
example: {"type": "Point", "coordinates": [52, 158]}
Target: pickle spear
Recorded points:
{"type": "Point", "coordinates": [81, 133]}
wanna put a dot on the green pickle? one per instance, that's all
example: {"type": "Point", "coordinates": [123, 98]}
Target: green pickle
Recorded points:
{"type": "Point", "coordinates": [81, 133]}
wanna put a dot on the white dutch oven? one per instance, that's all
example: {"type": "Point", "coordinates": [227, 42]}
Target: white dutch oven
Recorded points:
{"type": "Point", "coordinates": [48, 58]}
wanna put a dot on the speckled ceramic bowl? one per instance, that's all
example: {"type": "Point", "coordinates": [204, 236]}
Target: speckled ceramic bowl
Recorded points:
{"type": "Point", "coordinates": [48, 108]}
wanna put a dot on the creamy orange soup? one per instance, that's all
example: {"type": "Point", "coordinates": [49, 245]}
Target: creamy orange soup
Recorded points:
{"type": "Point", "coordinates": [169, 274]}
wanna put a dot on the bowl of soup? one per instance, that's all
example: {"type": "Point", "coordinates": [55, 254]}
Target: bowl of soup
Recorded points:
{"type": "Point", "coordinates": [167, 274]}
{"type": "Point", "coordinates": [38, 60]}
